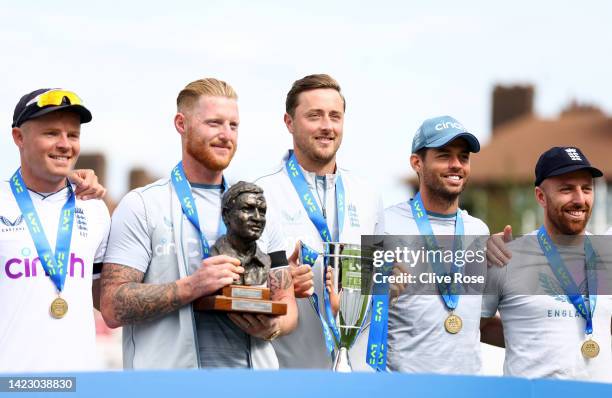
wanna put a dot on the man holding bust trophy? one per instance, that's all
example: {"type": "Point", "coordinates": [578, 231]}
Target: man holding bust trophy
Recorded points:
{"type": "Point", "coordinates": [159, 257]}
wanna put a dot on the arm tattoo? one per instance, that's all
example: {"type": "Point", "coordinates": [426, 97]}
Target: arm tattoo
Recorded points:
{"type": "Point", "coordinates": [134, 301]}
{"type": "Point", "coordinates": [280, 278]}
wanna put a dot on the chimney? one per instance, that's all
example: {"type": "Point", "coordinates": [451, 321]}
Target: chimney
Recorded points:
{"type": "Point", "coordinates": [510, 102]}
{"type": "Point", "coordinates": [139, 178]}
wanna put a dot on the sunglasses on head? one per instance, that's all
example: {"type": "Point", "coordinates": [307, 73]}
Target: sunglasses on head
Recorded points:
{"type": "Point", "coordinates": [55, 97]}
{"type": "Point", "coordinates": [51, 98]}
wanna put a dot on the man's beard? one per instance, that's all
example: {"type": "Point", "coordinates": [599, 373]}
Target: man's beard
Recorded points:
{"type": "Point", "coordinates": [440, 192]}
{"type": "Point", "coordinates": [203, 153]}
{"type": "Point", "coordinates": [313, 154]}
{"type": "Point", "coordinates": [563, 225]}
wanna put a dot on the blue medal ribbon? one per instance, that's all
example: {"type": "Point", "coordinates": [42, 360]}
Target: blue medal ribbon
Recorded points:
{"type": "Point", "coordinates": [296, 176]}
{"type": "Point", "coordinates": [55, 264]}
{"type": "Point", "coordinates": [376, 355]}
{"type": "Point", "coordinates": [568, 284]}
{"type": "Point", "coordinates": [309, 257]}
{"type": "Point", "coordinates": [183, 191]}
{"type": "Point", "coordinates": [448, 292]}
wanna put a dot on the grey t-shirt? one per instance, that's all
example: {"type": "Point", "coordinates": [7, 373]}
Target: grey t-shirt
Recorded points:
{"type": "Point", "coordinates": [221, 342]}
{"type": "Point", "coordinates": [417, 340]}
{"type": "Point", "coordinates": [543, 331]}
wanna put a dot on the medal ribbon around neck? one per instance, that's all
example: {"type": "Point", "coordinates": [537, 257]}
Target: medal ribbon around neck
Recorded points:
{"type": "Point", "coordinates": [309, 256]}
{"type": "Point", "coordinates": [296, 176]}
{"type": "Point", "coordinates": [55, 264]}
{"type": "Point", "coordinates": [447, 291]}
{"type": "Point", "coordinates": [376, 353]}
{"type": "Point", "coordinates": [183, 191]}
{"type": "Point", "coordinates": [568, 284]}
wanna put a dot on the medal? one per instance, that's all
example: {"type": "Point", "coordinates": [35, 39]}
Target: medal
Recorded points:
{"type": "Point", "coordinates": [453, 323]}
{"type": "Point", "coordinates": [590, 349]}
{"type": "Point", "coordinates": [59, 308]}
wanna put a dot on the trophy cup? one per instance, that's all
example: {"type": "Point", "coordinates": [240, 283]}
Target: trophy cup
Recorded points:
{"type": "Point", "coordinates": [353, 283]}
{"type": "Point", "coordinates": [243, 211]}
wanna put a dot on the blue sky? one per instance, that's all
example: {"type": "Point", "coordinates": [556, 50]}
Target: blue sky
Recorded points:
{"type": "Point", "coordinates": [397, 62]}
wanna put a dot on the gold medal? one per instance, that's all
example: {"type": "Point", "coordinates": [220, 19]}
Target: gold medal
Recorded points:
{"type": "Point", "coordinates": [590, 349]}
{"type": "Point", "coordinates": [59, 308]}
{"type": "Point", "coordinates": [453, 323]}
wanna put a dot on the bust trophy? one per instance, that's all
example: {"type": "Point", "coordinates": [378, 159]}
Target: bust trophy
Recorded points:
{"type": "Point", "coordinates": [243, 209]}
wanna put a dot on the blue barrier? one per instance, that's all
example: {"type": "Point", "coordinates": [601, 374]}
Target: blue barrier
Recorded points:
{"type": "Point", "coordinates": [316, 384]}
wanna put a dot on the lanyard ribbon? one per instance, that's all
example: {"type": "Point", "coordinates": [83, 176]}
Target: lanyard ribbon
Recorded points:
{"type": "Point", "coordinates": [183, 191]}
{"type": "Point", "coordinates": [448, 292]}
{"type": "Point", "coordinates": [309, 256]}
{"type": "Point", "coordinates": [296, 176]}
{"type": "Point", "coordinates": [55, 265]}
{"type": "Point", "coordinates": [376, 353]}
{"type": "Point", "coordinates": [568, 284]}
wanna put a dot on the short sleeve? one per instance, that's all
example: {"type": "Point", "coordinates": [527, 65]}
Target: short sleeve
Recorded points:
{"type": "Point", "coordinates": [129, 241]}
{"type": "Point", "coordinates": [103, 223]}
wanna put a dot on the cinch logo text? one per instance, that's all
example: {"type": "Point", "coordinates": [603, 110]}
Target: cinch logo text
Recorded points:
{"type": "Point", "coordinates": [445, 125]}
{"type": "Point", "coordinates": [16, 268]}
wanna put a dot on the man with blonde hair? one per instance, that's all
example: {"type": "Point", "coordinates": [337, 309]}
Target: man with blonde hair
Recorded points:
{"type": "Point", "coordinates": [159, 260]}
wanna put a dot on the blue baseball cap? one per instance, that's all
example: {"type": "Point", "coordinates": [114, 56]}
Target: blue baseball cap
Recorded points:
{"type": "Point", "coordinates": [439, 131]}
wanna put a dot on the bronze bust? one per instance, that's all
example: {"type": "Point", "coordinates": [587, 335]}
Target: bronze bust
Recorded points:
{"type": "Point", "coordinates": [243, 209]}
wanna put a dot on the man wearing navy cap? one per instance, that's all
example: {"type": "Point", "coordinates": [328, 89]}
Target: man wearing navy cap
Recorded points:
{"type": "Point", "coordinates": [50, 242]}
{"type": "Point", "coordinates": [551, 296]}
{"type": "Point", "coordinates": [432, 332]}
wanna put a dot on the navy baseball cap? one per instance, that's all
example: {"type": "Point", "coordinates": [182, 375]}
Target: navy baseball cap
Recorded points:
{"type": "Point", "coordinates": [562, 160]}
{"type": "Point", "coordinates": [46, 100]}
{"type": "Point", "coordinates": [439, 131]}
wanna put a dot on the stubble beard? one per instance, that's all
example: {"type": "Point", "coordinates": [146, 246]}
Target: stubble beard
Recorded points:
{"type": "Point", "coordinates": [564, 226]}
{"type": "Point", "coordinates": [314, 155]}
{"type": "Point", "coordinates": [438, 190]}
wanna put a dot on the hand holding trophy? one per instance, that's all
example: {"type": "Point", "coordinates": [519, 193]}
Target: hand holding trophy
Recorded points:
{"type": "Point", "coordinates": [243, 211]}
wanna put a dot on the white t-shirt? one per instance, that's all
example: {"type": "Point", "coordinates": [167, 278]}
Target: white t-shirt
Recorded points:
{"type": "Point", "coordinates": [417, 339]}
{"type": "Point", "coordinates": [30, 339]}
{"type": "Point", "coordinates": [221, 343]}
{"type": "Point", "coordinates": [305, 346]}
{"type": "Point", "coordinates": [543, 331]}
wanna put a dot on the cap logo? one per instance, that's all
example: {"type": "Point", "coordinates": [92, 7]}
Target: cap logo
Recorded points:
{"type": "Point", "coordinates": [573, 154]}
{"type": "Point", "coordinates": [445, 125]}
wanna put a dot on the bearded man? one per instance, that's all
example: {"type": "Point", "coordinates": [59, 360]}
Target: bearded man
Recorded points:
{"type": "Point", "coordinates": [159, 260]}
{"type": "Point", "coordinates": [553, 295]}
{"type": "Point", "coordinates": [434, 332]}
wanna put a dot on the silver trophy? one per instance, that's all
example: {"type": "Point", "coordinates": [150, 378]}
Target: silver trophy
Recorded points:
{"type": "Point", "coordinates": [353, 284]}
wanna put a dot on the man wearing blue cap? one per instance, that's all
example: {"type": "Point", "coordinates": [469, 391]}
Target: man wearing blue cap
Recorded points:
{"type": "Point", "coordinates": [553, 296]}
{"type": "Point", "coordinates": [435, 332]}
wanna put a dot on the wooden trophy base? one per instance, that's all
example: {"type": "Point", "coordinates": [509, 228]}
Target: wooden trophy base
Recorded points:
{"type": "Point", "coordinates": [238, 298]}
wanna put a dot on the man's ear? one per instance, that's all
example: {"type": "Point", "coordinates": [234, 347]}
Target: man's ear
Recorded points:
{"type": "Point", "coordinates": [288, 122]}
{"type": "Point", "coordinates": [18, 137]}
{"type": "Point", "coordinates": [416, 163]}
{"type": "Point", "coordinates": [540, 196]}
{"type": "Point", "coordinates": [179, 123]}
